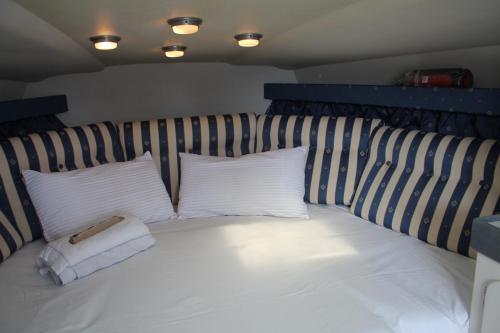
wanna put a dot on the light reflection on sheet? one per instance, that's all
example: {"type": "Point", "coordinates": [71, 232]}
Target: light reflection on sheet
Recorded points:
{"type": "Point", "coordinates": [262, 243]}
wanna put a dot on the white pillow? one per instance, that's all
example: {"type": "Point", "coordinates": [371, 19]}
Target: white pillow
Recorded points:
{"type": "Point", "coordinates": [66, 202]}
{"type": "Point", "coordinates": [270, 183]}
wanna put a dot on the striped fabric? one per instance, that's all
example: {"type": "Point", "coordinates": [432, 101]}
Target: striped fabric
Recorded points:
{"type": "Point", "coordinates": [338, 149]}
{"type": "Point", "coordinates": [62, 150]}
{"type": "Point", "coordinates": [217, 135]}
{"type": "Point", "coordinates": [10, 240]}
{"type": "Point", "coordinates": [429, 186]}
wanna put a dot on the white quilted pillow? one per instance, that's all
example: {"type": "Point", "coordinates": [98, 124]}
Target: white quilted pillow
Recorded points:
{"type": "Point", "coordinates": [67, 202]}
{"type": "Point", "coordinates": [270, 183]}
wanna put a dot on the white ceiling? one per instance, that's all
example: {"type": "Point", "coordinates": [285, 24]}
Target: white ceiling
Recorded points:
{"type": "Point", "coordinates": [50, 37]}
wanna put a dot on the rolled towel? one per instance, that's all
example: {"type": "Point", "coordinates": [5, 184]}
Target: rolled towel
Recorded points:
{"type": "Point", "coordinates": [67, 262]}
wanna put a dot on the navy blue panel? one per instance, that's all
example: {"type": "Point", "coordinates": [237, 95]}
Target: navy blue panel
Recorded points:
{"type": "Point", "coordinates": [181, 147]}
{"type": "Point", "coordinates": [245, 127]}
{"type": "Point", "coordinates": [84, 142]}
{"type": "Point", "coordinates": [32, 107]}
{"type": "Point", "coordinates": [34, 115]}
{"type": "Point", "coordinates": [327, 159]}
{"type": "Point", "coordinates": [212, 133]}
{"type": "Point", "coordinates": [165, 167]}
{"type": "Point", "coordinates": [30, 125]}
{"type": "Point", "coordinates": [266, 134]}
{"type": "Point", "coordinates": [101, 152]}
{"type": "Point", "coordinates": [195, 123]}
{"type": "Point", "coordinates": [344, 158]}
{"type": "Point", "coordinates": [476, 101]}
{"type": "Point", "coordinates": [449, 111]}
{"type": "Point", "coordinates": [69, 159]}
{"type": "Point", "coordinates": [51, 152]}
{"type": "Point", "coordinates": [129, 141]}
{"type": "Point", "coordinates": [146, 136]}
{"type": "Point", "coordinates": [228, 122]}
{"type": "Point", "coordinates": [447, 123]}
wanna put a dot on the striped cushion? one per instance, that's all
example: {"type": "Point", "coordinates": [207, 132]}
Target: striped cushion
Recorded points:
{"type": "Point", "coordinates": [429, 186]}
{"type": "Point", "coordinates": [66, 149]}
{"type": "Point", "coordinates": [10, 240]}
{"type": "Point", "coordinates": [337, 151]}
{"type": "Point", "coordinates": [219, 135]}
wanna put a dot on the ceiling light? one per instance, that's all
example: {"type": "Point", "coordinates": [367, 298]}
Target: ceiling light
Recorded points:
{"type": "Point", "coordinates": [249, 39]}
{"type": "Point", "coordinates": [105, 42]}
{"type": "Point", "coordinates": [174, 51]}
{"type": "Point", "coordinates": [185, 25]}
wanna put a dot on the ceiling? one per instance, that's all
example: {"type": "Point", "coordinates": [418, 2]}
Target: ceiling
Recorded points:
{"type": "Point", "coordinates": [50, 37]}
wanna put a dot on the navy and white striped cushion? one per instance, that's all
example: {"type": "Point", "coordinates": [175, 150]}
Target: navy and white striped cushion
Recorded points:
{"type": "Point", "coordinates": [62, 150]}
{"type": "Point", "coordinates": [337, 151]}
{"type": "Point", "coordinates": [429, 186]}
{"type": "Point", "coordinates": [216, 135]}
{"type": "Point", "coordinates": [10, 240]}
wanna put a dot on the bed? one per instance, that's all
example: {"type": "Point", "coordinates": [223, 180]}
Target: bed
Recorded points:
{"type": "Point", "coordinates": [332, 273]}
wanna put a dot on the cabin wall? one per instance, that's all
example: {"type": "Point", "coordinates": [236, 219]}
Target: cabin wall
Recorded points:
{"type": "Point", "coordinates": [484, 62]}
{"type": "Point", "coordinates": [11, 90]}
{"type": "Point", "coordinates": [147, 91]}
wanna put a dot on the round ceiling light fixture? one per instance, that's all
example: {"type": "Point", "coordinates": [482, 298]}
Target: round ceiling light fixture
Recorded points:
{"type": "Point", "coordinates": [185, 25]}
{"type": "Point", "coordinates": [105, 42]}
{"type": "Point", "coordinates": [248, 39]}
{"type": "Point", "coordinates": [174, 51]}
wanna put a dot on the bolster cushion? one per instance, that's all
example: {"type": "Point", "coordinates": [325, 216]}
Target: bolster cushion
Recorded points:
{"type": "Point", "coordinates": [338, 150]}
{"type": "Point", "coordinates": [61, 150]}
{"type": "Point", "coordinates": [216, 135]}
{"type": "Point", "coordinates": [429, 186]}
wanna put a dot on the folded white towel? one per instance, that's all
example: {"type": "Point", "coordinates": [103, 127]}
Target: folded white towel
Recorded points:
{"type": "Point", "coordinates": [67, 262]}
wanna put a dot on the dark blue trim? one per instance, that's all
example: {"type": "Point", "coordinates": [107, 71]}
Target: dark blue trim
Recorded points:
{"type": "Point", "coordinates": [473, 101]}
{"type": "Point", "coordinates": [32, 107]}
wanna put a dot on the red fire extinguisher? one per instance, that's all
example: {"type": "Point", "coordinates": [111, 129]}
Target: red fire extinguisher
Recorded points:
{"type": "Point", "coordinates": [446, 77]}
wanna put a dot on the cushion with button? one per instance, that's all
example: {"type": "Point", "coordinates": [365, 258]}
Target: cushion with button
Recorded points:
{"type": "Point", "coordinates": [429, 185]}
{"type": "Point", "coordinates": [338, 149]}
{"type": "Point", "coordinates": [53, 151]}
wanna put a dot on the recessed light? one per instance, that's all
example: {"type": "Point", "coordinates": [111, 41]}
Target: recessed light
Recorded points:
{"type": "Point", "coordinates": [105, 42]}
{"type": "Point", "coordinates": [248, 39]}
{"type": "Point", "coordinates": [174, 51]}
{"type": "Point", "coordinates": [185, 25]}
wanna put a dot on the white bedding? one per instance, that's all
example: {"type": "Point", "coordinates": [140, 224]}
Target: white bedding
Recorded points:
{"type": "Point", "coordinates": [331, 273]}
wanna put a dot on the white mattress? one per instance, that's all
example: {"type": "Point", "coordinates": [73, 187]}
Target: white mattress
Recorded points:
{"type": "Point", "coordinates": [332, 273]}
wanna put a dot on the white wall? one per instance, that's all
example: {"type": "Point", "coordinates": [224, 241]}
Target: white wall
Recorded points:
{"type": "Point", "coordinates": [139, 92]}
{"type": "Point", "coordinates": [484, 62]}
{"type": "Point", "coordinates": [11, 90]}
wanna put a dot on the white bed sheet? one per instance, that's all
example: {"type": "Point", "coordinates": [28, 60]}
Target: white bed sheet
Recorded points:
{"type": "Point", "coordinates": [332, 273]}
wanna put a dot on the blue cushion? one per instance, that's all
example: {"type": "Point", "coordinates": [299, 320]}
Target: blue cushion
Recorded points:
{"type": "Point", "coordinates": [429, 185]}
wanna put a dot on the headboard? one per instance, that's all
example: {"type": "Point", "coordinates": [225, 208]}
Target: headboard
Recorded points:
{"type": "Point", "coordinates": [24, 116]}
{"type": "Point", "coordinates": [455, 111]}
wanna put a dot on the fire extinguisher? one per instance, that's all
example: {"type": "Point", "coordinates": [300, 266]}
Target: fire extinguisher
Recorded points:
{"type": "Point", "coordinates": [446, 77]}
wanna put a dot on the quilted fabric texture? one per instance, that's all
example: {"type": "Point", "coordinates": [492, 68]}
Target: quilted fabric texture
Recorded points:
{"type": "Point", "coordinates": [338, 150]}
{"type": "Point", "coordinates": [429, 186]}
